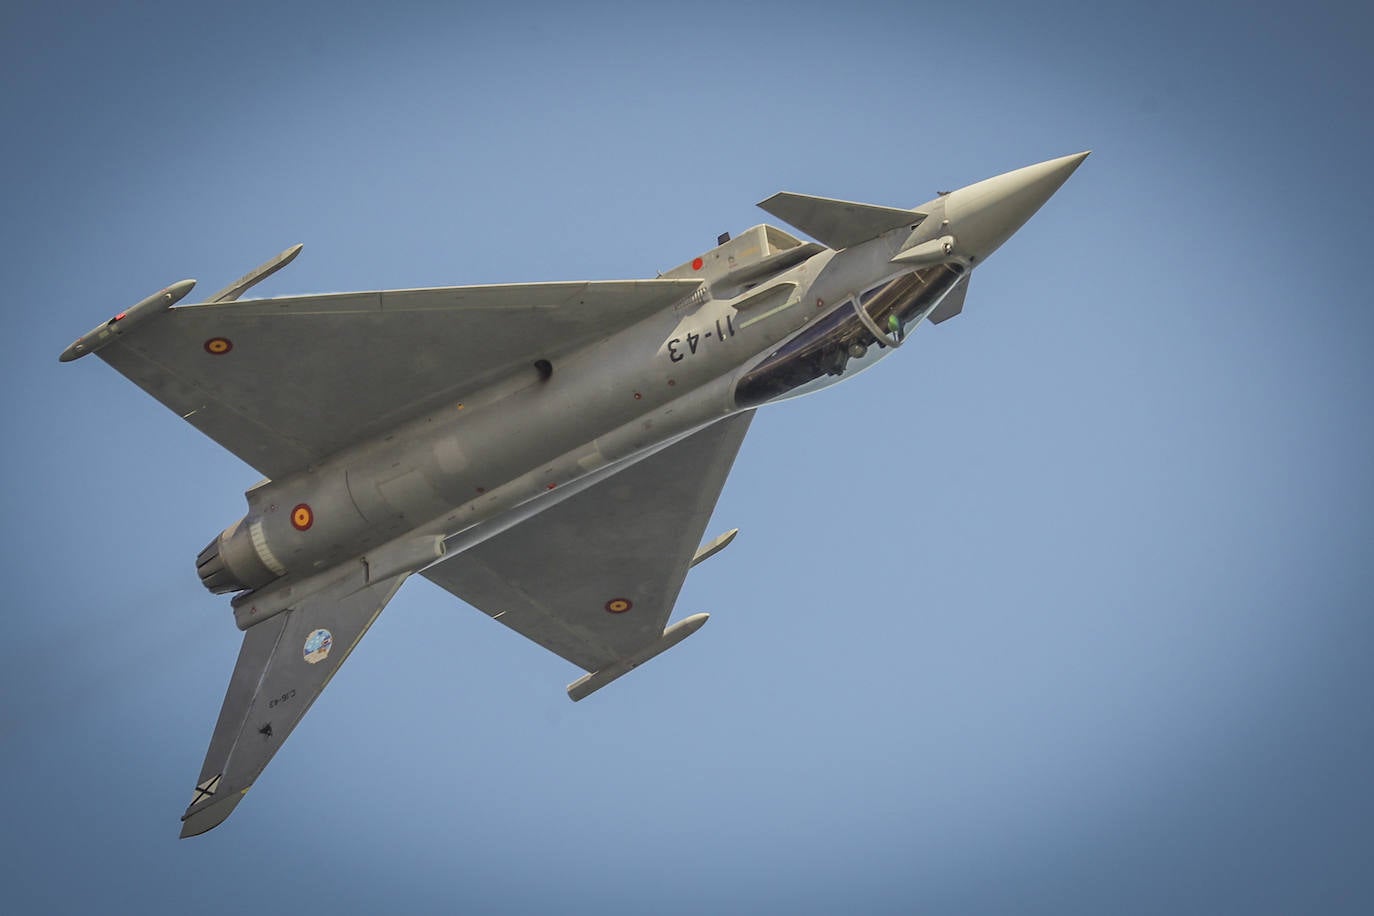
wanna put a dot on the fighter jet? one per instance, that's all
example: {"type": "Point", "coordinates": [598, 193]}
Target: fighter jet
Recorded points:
{"type": "Point", "coordinates": [549, 453]}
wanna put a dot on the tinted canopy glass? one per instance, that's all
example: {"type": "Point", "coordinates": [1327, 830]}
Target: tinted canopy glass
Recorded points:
{"type": "Point", "coordinates": [844, 342]}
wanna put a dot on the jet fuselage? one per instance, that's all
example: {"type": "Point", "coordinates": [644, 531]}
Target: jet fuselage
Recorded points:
{"type": "Point", "coordinates": [529, 440]}
{"type": "Point", "coordinates": [548, 453]}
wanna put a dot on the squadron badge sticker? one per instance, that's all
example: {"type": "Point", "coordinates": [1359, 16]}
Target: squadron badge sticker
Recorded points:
{"type": "Point", "coordinates": [317, 646]}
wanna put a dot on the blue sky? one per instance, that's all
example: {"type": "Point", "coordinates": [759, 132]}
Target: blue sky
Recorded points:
{"type": "Point", "coordinates": [1064, 610]}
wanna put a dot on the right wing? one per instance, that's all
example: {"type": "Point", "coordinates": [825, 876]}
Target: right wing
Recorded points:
{"type": "Point", "coordinates": [595, 577]}
{"type": "Point", "coordinates": [283, 383]}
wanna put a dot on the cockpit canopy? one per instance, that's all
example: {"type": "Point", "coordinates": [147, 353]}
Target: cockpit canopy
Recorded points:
{"type": "Point", "coordinates": [849, 338]}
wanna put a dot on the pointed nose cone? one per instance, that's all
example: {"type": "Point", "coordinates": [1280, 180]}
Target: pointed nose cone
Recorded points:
{"type": "Point", "coordinates": [984, 215]}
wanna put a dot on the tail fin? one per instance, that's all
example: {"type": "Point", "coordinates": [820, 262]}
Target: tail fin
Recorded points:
{"type": "Point", "coordinates": [283, 666]}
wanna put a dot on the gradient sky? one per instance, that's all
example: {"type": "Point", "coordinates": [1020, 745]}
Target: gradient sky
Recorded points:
{"type": "Point", "coordinates": [1064, 610]}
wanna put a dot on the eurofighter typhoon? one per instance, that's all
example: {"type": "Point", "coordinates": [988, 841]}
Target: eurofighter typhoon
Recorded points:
{"type": "Point", "coordinates": [549, 453]}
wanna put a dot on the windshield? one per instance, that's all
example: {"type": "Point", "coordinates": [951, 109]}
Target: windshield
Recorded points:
{"type": "Point", "coordinates": [845, 342]}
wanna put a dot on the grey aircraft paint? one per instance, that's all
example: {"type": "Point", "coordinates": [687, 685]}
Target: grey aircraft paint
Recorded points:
{"type": "Point", "coordinates": [549, 453]}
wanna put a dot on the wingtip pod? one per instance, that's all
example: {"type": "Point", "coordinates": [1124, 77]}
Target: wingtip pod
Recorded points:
{"type": "Point", "coordinates": [585, 686]}
{"type": "Point", "coordinates": [131, 317]}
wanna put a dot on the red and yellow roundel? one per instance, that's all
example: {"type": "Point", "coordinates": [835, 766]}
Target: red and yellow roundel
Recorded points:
{"type": "Point", "coordinates": [218, 346]}
{"type": "Point", "coordinates": [302, 517]}
{"type": "Point", "coordinates": [619, 605]}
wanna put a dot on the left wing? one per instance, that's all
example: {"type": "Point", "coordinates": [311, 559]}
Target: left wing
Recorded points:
{"type": "Point", "coordinates": [283, 383]}
{"type": "Point", "coordinates": [594, 578]}
{"type": "Point", "coordinates": [284, 664]}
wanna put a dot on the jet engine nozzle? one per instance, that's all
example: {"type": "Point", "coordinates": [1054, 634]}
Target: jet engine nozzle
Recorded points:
{"type": "Point", "coordinates": [237, 559]}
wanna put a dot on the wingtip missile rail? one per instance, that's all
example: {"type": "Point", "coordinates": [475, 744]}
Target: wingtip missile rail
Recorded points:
{"type": "Point", "coordinates": [588, 684]}
{"type": "Point", "coordinates": [120, 324]}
